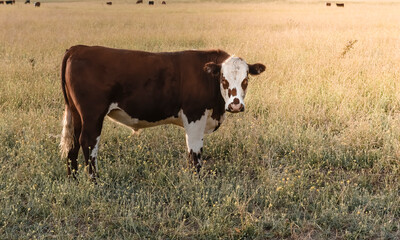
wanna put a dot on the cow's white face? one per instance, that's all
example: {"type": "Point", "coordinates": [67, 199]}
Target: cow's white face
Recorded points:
{"type": "Point", "coordinates": [233, 76]}
{"type": "Point", "coordinates": [234, 79]}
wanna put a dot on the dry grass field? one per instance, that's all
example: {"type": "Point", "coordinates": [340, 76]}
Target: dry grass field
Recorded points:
{"type": "Point", "coordinates": [315, 155]}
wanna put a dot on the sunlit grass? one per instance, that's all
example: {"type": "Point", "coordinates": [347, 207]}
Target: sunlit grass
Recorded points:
{"type": "Point", "coordinates": [315, 155]}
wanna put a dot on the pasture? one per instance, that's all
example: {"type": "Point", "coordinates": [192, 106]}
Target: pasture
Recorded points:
{"type": "Point", "coordinates": [314, 156]}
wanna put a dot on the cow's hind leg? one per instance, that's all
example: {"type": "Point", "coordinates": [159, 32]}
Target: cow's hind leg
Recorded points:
{"type": "Point", "coordinates": [194, 142]}
{"type": "Point", "coordinates": [72, 162]}
{"type": "Point", "coordinates": [89, 140]}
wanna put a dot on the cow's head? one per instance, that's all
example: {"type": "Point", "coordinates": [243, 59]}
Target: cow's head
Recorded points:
{"type": "Point", "coordinates": [233, 77]}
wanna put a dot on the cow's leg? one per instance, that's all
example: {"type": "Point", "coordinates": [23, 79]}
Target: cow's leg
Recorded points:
{"type": "Point", "coordinates": [89, 140]}
{"type": "Point", "coordinates": [72, 162]}
{"type": "Point", "coordinates": [194, 142]}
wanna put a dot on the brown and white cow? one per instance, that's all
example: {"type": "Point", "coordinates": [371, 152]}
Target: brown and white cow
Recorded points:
{"type": "Point", "coordinates": [191, 89]}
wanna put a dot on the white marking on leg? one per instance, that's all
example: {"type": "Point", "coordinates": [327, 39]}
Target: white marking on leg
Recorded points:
{"type": "Point", "coordinates": [95, 151]}
{"type": "Point", "coordinates": [195, 132]}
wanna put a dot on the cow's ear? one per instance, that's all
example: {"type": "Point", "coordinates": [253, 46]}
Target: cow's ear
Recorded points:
{"type": "Point", "coordinates": [212, 68]}
{"type": "Point", "coordinates": [255, 69]}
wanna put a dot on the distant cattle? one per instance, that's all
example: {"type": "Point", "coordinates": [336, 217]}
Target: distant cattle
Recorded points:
{"type": "Point", "coordinates": [11, 2]}
{"type": "Point", "coordinates": [163, 2]}
{"type": "Point", "coordinates": [191, 89]}
{"type": "Point", "coordinates": [27, 1]}
{"type": "Point", "coordinates": [37, 4]}
{"type": "Point", "coordinates": [339, 4]}
{"type": "Point", "coordinates": [328, 4]}
{"type": "Point", "coordinates": [151, 2]}
{"type": "Point", "coordinates": [139, 1]}
{"type": "Point", "coordinates": [109, 3]}
{"type": "Point", "coordinates": [1, 2]}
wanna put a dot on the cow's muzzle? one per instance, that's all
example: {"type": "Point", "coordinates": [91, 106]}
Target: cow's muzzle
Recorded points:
{"type": "Point", "coordinates": [235, 108]}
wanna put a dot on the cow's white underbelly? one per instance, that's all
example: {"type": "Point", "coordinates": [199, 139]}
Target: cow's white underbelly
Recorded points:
{"type": "Point", "coordinates": [120, 116]}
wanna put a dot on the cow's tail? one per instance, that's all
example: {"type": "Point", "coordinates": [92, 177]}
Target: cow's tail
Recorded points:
{"type": "Point", "coordinates": [67, 134]}
{"type": "Point", "coordinates": [63, 67]}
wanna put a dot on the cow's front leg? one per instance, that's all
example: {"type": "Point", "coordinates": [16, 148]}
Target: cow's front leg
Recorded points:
{"type": "Point", "coordinates": [195, 148]}
{"type": "Point", "coordinates": [194, 142]}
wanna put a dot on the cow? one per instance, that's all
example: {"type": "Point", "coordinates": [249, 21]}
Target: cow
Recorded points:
{"type": "Point", "coordinates": [328, 4]}
{"type": "Point", "coordinates": [1, 2]}
{"type": "Point", "coordinates": [192, 89]}
{"type": "Point", "coordinates": [151, 2]}
{"type": "Point", "coordinates": [139, 1]}
{"type": "Point", "coordinates": [339, 4]}
{"type": "Point", "coordinates": [37, 4]}
{"type": "Point", "coordinates": [164, 2]}
{"type": "Point", "coordinates": [11, 2]}
{"type": "Point", "coordinates": [109, 3]}
{"type": "Point", "coordinates": [28, 2]}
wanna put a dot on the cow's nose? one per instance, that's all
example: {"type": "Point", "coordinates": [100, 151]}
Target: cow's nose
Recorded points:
{"type": "Point", "coordinates": [235, 108]}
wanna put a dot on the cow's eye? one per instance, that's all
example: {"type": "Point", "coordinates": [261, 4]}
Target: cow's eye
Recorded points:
{"type": "Point", "coordinates": [244, 83]}
{"type": "Point", "coordinates": [225, 83]}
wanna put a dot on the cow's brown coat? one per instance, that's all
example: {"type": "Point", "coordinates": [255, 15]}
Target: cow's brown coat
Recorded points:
{"type": "Point", "coordinates": [147, 86]}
